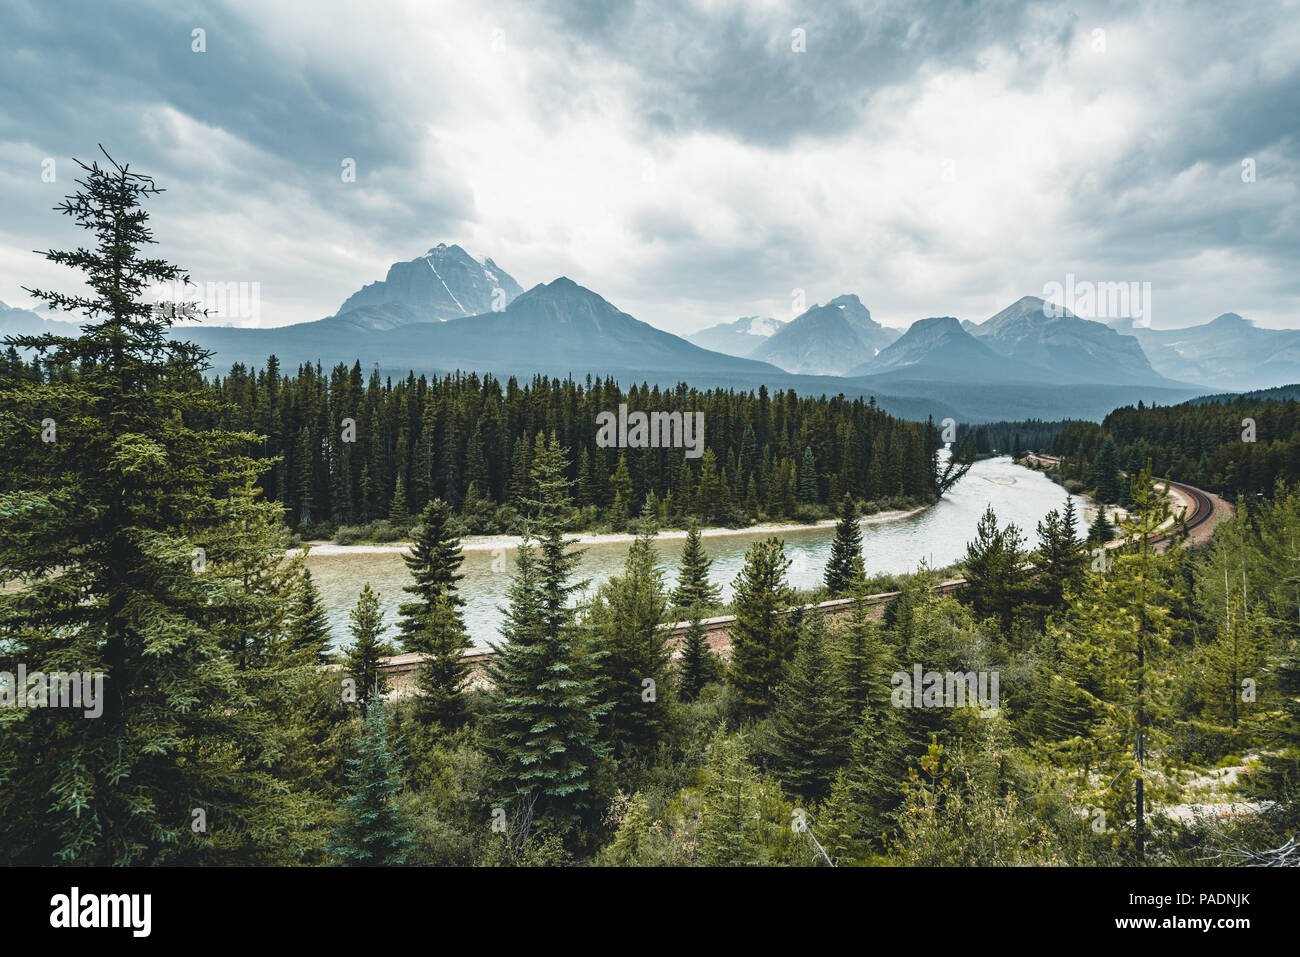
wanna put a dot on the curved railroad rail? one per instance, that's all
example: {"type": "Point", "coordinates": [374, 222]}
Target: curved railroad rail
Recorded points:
{"type": "Point", "coordinates": [1202, 510]}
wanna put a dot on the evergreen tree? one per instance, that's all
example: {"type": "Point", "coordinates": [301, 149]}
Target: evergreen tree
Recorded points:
{"type": "Point", "coordinates": [1235, 652]}
{"type": "Point", "coordinates": [477, 470]}
{"type": "Point", "coordinates": [1062, 560]}
{"type": "Point", "coordinates": [303, 469]}
{"type": "Point", "coordinates": [137, 548]}
{"type": "Point", "coordinates": [708, 496]}
{"type": "Point", "coordinates": [807, 477]}
{"type": "Point", "coordinates": [1117, 640]}
{"type": "Point", "coordinates": [397, 509]}
{"type": "Point", "coordinates": [863, 793]}
{"type": "Point", "coordinates": [1100, 531]}
{"type": "Point", "coordinates": [845, 567]}
{"type": "Point", "coordinates": [698, 664]}
{"type": "Point", "coordinates": [432, 625]}
{"type": "Point", "coordinates": [625, 619]}
{"type": "Point", "coordinates": [810, 720]}
{"type": "Point", "coordinates": [545, 695]}
{"type": "Point", "coordinates": [731, 819]}
{"type": "Point", "coordinates": [521, 489]}
{"type": "Point", "coordinates": [1279, 779]}
{"type": "Point", "coordinates": [309, 629]}
{"type": "Point", "coordinates": [620, 484]}
{"type": "Point", "coordinates": [361, 661]}
{"type": "Point", "coordinates": [1105, 475]}
{"type": "Point", "coordinates": [693, 586]}
{"type": "Point", "coordinates": [865, 660]}
{"type": "Point", "coordinates": [629, 847]}
{"type": "Point", "coordinates": [751, 499]}
{"type": "Point", "coordinates": [762, 638]}
{"type": "Point", "coordinates": [372, 831]}
{"type": "Point", "coordinates": [993, 574]}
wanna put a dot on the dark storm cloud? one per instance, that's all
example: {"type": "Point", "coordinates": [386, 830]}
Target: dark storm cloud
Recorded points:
{"type": "Point", "coordinates": [734, 70]}
{"type": "Point", "coordinates": [67, 57]}
{"type": "Point", "coordinates": [76, 75]}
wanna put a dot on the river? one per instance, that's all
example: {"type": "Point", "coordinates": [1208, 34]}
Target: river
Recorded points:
{"type": "Point", "coordinates": [937, 535]}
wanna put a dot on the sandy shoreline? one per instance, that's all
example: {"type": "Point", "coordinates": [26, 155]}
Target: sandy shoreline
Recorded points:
{"type": "Point", "coordinates": [489, 543]}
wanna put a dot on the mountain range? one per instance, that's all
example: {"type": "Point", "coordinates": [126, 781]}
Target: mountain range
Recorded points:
{"type": "Point", "coordinates": [940, 348]}
{"type": "Point", "coordinates": [826, 339]}
{"type": "Point", "coordinates": [446, 311]}
{"type": "Point", "coordinates": [1228, 352]}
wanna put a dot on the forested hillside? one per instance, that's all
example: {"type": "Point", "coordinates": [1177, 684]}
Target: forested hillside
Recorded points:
{"type": "Point", "coordinates": [470, 440]}
{"type": "Point", "coordinates": [1244, 446]}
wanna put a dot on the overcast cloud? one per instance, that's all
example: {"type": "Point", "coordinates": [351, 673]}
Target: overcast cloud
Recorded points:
{"type": "Point", "coordinates": [681, 159]}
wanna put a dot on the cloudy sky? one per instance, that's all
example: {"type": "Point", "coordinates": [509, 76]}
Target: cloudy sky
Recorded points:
{"type": "Point", "coordinates": [690, 161]}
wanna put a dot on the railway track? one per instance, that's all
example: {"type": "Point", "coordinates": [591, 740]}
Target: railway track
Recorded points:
{"type": "Point", "coordinates": [401, 668]}
{"type": "Point", "coordinates": [1202, 510]}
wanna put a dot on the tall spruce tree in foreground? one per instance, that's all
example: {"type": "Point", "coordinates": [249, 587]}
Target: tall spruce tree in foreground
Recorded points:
{"type": "Point", "coordinates": [866, 661]}
{"type": "Point", "coordinates": [625, 620]}
{"type": "Point", "coordinates": [762, 639]}
{"type": "Point", "coordinates": [1062, 561]}
{"type": "Point", "coordinates": [140, 550]}
{"type": "Point", "coordinates": [432, 625]}
{"type": "Point", "coordinates": [1279, 778]}
{"type": "Point", "coordinates": [1116, 643]}
{"type": "Point", "coordinates": [372, 831]}
{"type": "Point", "coordinates": [361, 662]}
{"type": "Point", "coordinates": [811, 721]}
{"type": "Point", "coordinates": [731, 817]}
{"type": "Point", "coordinates": [693, 586]}
{"type": "Point", "coordinates": [994, 587]}
{"type": "Point", "coordinates": [845, 567]}
{"type": "Point", "coordinates": [864, 791]}
{"type": "Point", "coordinates": [545, 704]}
{"type": "Point", "coordinates": [316, 726]}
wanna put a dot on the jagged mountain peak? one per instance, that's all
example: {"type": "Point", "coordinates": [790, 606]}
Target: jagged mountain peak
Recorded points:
{"type": "Point", "coordinates": [563, 290]}
{"type": "Point", "coordinates": [827, 339]}
{"type": "Point", "coordinates": [1025, 311]}
{"type": "Point", "coordinates": [1050, 337]}
{"type": "Point", "coordinates": [934, 326]}
{"type": "Point", "coordinates": [938, 346]}
{"type": "Point", "coordinates": [444, 283]}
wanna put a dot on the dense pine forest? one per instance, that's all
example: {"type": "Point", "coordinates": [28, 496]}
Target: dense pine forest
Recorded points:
{"type": "Point", "coordinates": [1088, 707]}
{"type": "Point", "coordinates": [1240, 447]}
{"type": "Point", "coordinates": [1011, 438]}
{"type": "Point", "coordinates": [363, 455]}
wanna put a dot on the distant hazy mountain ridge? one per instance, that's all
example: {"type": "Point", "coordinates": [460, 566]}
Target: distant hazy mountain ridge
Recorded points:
{"type": "Point", "coordinates": [24, 322]}
{"type": "Point", "coordinates": [827, 339]}
{"type": "Point", "coordinates": [446, 310]}
{"type": "Point", "coordinates": [1228, 352]}
{"type": "Point", "coordinates": [738, 338]}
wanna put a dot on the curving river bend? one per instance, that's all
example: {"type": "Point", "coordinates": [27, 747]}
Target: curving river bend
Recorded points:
{"type": "Point", "coordinates": [937, 535]}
